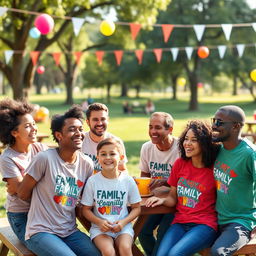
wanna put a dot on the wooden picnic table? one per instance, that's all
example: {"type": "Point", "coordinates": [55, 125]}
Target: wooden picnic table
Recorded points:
{"type": "Point", "coordinates": [41, 136]}
{"type": "Point", "coordinates": [250, 130]}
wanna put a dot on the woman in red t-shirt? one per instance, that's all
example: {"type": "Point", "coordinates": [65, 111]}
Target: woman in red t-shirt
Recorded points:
{"type": "Point", "coordinates": [193, 192]}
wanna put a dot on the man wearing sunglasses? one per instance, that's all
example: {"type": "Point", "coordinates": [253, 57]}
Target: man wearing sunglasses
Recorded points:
{"type": "Point", "coordinates": [235, 175]}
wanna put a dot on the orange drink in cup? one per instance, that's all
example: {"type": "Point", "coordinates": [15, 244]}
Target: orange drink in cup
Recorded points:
{"type": "Point", "coordinates": [143, 185]}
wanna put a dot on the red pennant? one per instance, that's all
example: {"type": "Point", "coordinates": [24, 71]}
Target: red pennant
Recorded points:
{"type": "Point", "coordinates": [158, 54]}
{"type": "Point", "coordinates": [34, 56]}
{"type": "Point", "coordinates": [139, 55]}
{"type": "Point", "coordinates": [134, 28]}
{"type": "Point", "coordinates": [78, 56]}
{"type": "Point", "coordinates": [99, 55]}
{"type": "Point", "coordinates": [56, 56]}
{"type": "Point", "coordinates": [167, 30]}
{"type": "Point", "coordinates": [119, 56]}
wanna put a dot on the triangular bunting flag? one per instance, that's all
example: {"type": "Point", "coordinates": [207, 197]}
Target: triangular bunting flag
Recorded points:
{"type": "Point", "coordinates": [134, 28]}
{"type": "Point", "coordinates": [119, 56]}
{"type": "Point", "coordinates": [174, 52]}
{"type": "Point", "coordinates": [56, 56]}
{"type": "Point", "coordinates": [222, 50]}
{"type": "Point", "coordinates": [189, 51]}
{"type": "Point", "coordinates": [34, 56]}
{"type": "Point", "coordinates": [139, 55]}
{"type": "Point", "coordinates": [158, 54]}
{"type": "Point", "coordinates": [8, 55]}
{"type": "Point", "coordinates": [78, 56]}
{"type": "Point", "coordinates": [254, 26]}
{"type": "Point", "coordinates": [240, 49]}
{"type": "Point", "coordinates": [199, 30]}
{"type": "Point", "coordinates": [3, 10]}
{"type": "Point", "coordinates": [77, 24]}
{"type": "Point", "coordinates": [167, 30]}
{"type": "Point", "coordinates": [227, 28]}
{"type": "Point", "coordinates": [99, 55]}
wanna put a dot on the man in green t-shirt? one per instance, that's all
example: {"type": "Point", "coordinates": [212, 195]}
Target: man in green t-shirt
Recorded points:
{"type": "Point", "coordinates": [235, 175]}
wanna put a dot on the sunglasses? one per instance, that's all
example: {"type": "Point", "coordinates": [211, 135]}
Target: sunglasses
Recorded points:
{"type": "Point", "coordinates": [218, 122]}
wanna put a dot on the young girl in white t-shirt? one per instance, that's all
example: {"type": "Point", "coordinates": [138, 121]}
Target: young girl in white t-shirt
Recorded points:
{"type": "Point", "coordinates": [108, 193]}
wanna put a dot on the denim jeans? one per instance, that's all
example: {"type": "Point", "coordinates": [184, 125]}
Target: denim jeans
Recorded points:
{"type": "Point", "coordinates": [46, 244]}
{"type": "Point", "coordinates": [232, 237]}
{"type": "Point", "coordinates": [147, 240]}
{"type": "Point", "coordinates": [186, 239]}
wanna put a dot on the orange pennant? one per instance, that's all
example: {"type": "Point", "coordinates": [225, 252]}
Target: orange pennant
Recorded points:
{"type": "Point", "coordinates": [78, 56]}
{"type": "Point", "coordinates": [99, 55]}
{"type": "Point", "coordinates": [119, 56]}
{"type": "Point", "coordinates": [34, 56]}
{"type": "Point", "coordinates": [158, 54]}
{"type": "Point", "coordinates": [167, 30]}
{"type": "Point", "coordinates": [56, 57]}
{"type": "Point", "coordinates": [134, 28]}
{"type": "Point", "coordinates": [139, 55]}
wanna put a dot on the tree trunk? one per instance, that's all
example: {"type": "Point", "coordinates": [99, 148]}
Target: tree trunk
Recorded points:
{"type": "Point", "coordinates": [17, 78]}
{"type": "Point", "coordinates": [137, 88]}
{"type": "Point", "coordinates": [124, 90]}
{"type": "Point", "coordinates": [234, 85]}
{"type": "Point", "coordinates": [174, 87]}
{"type": "Point", "coordinates": [108, 91]}
{"type": "Point", "coordinates": [193, 103]}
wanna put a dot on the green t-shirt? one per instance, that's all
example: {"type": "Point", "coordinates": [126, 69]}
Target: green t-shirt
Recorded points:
{"type": "Point", "coordinates": [235, 175]}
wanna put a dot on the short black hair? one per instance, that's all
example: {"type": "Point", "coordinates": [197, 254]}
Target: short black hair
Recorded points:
{"type": "Point", "coordinates": [235, 113]}
{"type": "Point", "coordinates": [95, 107]}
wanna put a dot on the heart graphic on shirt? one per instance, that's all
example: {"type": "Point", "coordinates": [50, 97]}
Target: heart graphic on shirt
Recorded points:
{"type": "Point", "coordinates": [232, 174]}
{"type": "Point", "coordinates": [57, 199]}
{"type": "Point", "coordinates": [102, 210]}
{"type": "Point", "coordinates": [79, 183]}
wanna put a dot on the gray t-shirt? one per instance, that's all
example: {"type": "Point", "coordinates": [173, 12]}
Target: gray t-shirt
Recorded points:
{"type": "Point", "coordinates": [54, 198]}
{"type": "Point", "coordinates": [13, 164]}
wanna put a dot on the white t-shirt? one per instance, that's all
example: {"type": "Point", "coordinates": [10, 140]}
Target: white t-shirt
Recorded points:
{"type": "Point", "coordinates": [14, 164]}
{"type": "Point", "coordinates": [158, 163]}
{"type": "Point", "coordinates": [89, 147]}
{"type": "Point", "coordinates": [54, 198]}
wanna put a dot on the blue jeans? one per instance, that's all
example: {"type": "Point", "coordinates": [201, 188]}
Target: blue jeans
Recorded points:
{"type": "Point", "coordinates": [147, 240]}
{"type": "Point", "coordinates": [232, 237]}
{"type": "Point", "coordinates": [186, 239]}
{"type": "Point", "coordinates": [46, 244]}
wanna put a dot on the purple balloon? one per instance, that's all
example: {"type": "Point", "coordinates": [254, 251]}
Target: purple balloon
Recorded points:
{"type": "Point", "coordinates": [44, 23]}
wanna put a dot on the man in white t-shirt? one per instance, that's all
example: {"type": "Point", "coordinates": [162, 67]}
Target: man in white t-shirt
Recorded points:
{"type": "Point", "coordinates": [97, 119]}
{"type": "Point", "coordinates": [156, 160]}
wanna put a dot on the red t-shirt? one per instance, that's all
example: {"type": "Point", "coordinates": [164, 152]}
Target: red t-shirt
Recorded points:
{"type": "Point", "coordinates": [196, 192]}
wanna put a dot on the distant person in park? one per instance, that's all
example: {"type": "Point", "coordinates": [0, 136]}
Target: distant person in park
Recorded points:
{"type": "Point", "coordinates": [127, 108]}
{"type": "Point", "coordinates": [193, 192]}
{"type": "Point", "coordinates": [157, 157]}
{"type": "Point", "coordinates": [18, 132]}
{"type": "Point", "coordinates": [90, 100]}
{"type": "Point", "coordinates": [108, 193]}
{"type": "Point", "coordinates": [97, 118]}
{"type": "Point", "coordinates": [150, 107]}
{"type": "Point", "coordinates": [54, 181]}
{"type": "Point", "coordinates": [235, 175]}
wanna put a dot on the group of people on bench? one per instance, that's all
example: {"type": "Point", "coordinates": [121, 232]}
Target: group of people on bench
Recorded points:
{"type": "Point", "coordinates": [209, 172]}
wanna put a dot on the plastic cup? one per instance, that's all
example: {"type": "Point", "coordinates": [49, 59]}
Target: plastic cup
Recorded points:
{"type": "Point", "coordinates": [143, 185]}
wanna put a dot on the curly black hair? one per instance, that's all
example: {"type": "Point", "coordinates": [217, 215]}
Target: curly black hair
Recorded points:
{"type": "Point", "coordinates": [203, 133]}
{"type": "Point", "coordinates": [10, 113]}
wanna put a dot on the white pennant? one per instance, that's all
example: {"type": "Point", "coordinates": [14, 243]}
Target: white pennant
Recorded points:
{"type": "Point", "coordinates": [77, 24]}
{"type": "Point", "coordinates": [240, 49]}
{"type": "Point", "coordinates": [189, 51]}
{"type": "Point", "coordinates": [227, 28]}
{"type": "Point", "coordinates": [254, 26]}
{"type": "Point", "coordinates": [222, 50]}
{"type": "Point", "coordinates": [199, 30]}
{"type": "Point", "coordinates": [3, 10]}
{"type": "Point", "coordinates": [174, 52]}
{"type": "Point", "coordinates": [8, 55]}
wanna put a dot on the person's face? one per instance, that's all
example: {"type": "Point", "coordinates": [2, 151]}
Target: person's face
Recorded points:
{"type": "Point", "coordinates": [157, 131]}
{"type": "Point", "coordinates": [72, 134]}
{"type": "Point", "coordinates": [109, 157]}
{"type": "Point", "coordinates": [26, 130]}
{"type": "Point", "coordinates": [191, 145]}
{"type": "Point", "coordinates": [98, 122]}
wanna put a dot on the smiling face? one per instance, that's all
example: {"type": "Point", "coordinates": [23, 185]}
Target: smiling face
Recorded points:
{"type": "Point", "coordinates": [98, 122]}
{"type": "Point", "coordinates": [191, 145]}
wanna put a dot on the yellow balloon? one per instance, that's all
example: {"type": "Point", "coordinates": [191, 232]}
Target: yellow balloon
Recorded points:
{"type": "Point", "coordinates": [253, 75]}
{"type": "Point", "coordinates": [181, 81]}
{"type": "Point", "coordinates": [107, 28]}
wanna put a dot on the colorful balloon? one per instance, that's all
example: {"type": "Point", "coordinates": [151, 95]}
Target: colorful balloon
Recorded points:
{"type": "Point", "coordinates": [253, 75]}
{"type": "Point", "coordinates": [107, 28]}
{"type": "Point", "coordinates": [203, 52]}
{"type": "Point", "coordinates": [181, 81]}
{"type": "Point", "coordinates": [34, 33]}
{"type": "Point", "coordinates": [41, 115]}
{"type": "Point", "coordinates": [44, 23]}
{"type": "Point", "coordinates": [40, 70]}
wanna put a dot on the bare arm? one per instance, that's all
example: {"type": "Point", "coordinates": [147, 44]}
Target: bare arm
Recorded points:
{"type": "Point", "coordinates": [12, 184]}
{"type": "Point", "coordinates": [144, 174]}
{"type": "Point", "coordinates": [26, 187]}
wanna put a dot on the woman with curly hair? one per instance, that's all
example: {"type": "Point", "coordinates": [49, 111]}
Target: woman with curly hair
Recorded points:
{"type": "Point", "coordinates": [193, 192]}
{"type": "Point", "coordinates": [18, 132]}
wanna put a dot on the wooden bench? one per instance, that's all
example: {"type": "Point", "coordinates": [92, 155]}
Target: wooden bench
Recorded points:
{"type": "Point", "coordinates": [250, 135]}
{"type": "Point", "coordinates": [9, 241]}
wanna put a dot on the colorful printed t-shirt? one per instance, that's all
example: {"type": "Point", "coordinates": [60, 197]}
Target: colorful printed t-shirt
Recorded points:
{"type": "Point", "coordinates": [89, 147]}
{"type": "Point", "coordinates": [158, 163]}
{"type": "Point", "coordinates": [235, 175]}
{"type": "Point", "coordinates": [13, 164]}
{"type": "Point", "coordinates": [55, 196]}
{"type": "Point", "coordinates": [196, 194]}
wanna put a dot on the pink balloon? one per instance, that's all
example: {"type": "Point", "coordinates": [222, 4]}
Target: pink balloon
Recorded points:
{"type": "Point", "coordinates": [44, 23]}
{"type": "Point", "coordinates": [40, 70]}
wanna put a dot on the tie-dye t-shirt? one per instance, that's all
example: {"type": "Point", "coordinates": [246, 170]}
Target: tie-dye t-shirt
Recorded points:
{"type": "Point", "coordinates": [196, 194]}
{"type": "Point", "coordinates": [54, 198]}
